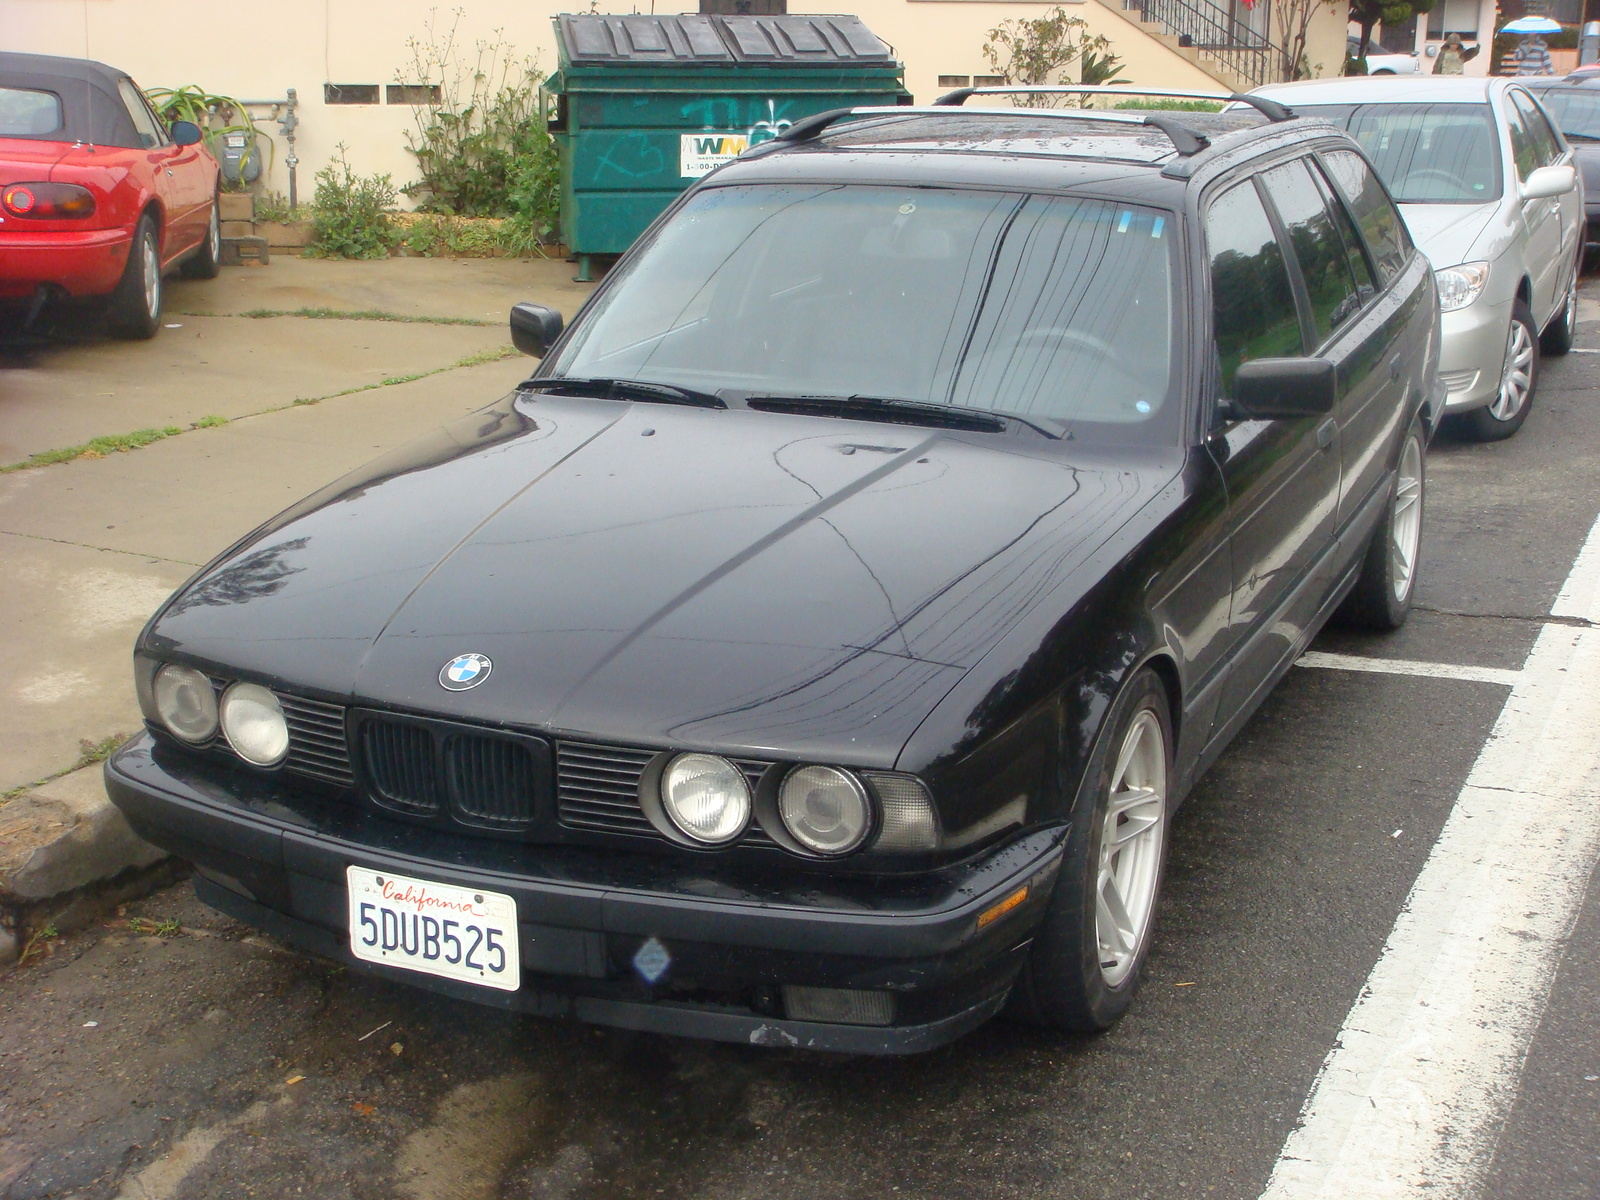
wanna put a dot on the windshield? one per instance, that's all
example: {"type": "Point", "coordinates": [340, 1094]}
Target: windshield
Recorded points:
{"type": "Point", "coordinates": [1424, 153]}
{"type": "Point", "coordinates": [1047, 307]}
{"type": "Point", "coordinates": [1576, 112]}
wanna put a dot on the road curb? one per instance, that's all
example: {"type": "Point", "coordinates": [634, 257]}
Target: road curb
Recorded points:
{"type": "Point", "coordinates": [66, 852]}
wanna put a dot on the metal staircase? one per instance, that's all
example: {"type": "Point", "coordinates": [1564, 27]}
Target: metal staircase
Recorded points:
{"type": "Point", "coordinates": [1217, 39]}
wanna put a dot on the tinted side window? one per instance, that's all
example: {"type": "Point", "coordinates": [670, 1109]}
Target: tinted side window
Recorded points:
{"type": "Point", "coordinates": [1544, 139]}
{"type": "Point", "coordinates": [1316, 243]}
{"type": "Point", "coordinates": [1360, 269]}
{"type": "Point", "coordinates": [1375, 213]}
{"type": "Point", "coordinates": [150, 133]}
{"type": "Point", "coordinates": [1252, 302]}
{"type": "Point", "coordinates": [1524, 150]}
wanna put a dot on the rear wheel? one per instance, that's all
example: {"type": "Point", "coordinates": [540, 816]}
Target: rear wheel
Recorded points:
{"type": "Point", "coordinates": [136, 304]}
{"type": "Point", "coordinates": [1089, 952]}
{"type": "Point", "coordinates": [206, 262]}
{"type": "Point", "coordinates": [1519, 376]}
{"type": "Point", "coordinates": [1382, 596]}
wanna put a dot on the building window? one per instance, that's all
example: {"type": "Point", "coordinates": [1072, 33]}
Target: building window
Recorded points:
{"type": "Point", "coordinates": [988, 81]}
{"type": "Point", "coordinates": [955, 81]}
{"type": "Point", "coordinates": [412, 93]}
{"type": "Point", "coordinates": [349, 93]}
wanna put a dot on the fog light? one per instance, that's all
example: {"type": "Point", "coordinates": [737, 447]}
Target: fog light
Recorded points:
{"type": "Point", "coordinates": [706, 797]}
{"type": "Point", "coordinates": [186, 702]}
{"type": "Point", "coordinates": [252, 721]}
{"type": "Point", "coordinates": [824, 809]}
{"type": "Point", "coordinates": [838, 1006]}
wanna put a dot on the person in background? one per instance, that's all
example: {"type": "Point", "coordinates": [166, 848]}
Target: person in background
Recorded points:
{"type": "Point", "coordinates": [1453, 56]}
{"type": "Point", "coordinates": [1533, 57]}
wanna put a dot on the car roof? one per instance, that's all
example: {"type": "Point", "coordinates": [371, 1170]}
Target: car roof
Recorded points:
{"type": "Point", "coordinates": [92, 110]}
{"type": "Point", "coordinates": [1029, 149]}
{"type": "Point", "coordinates": [1588, 82]}
{"type": "Point", "coordinates": [1385, 89]}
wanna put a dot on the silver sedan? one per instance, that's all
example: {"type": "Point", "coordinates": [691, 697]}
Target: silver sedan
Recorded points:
{"type": "Point", "coordinates": [1490, 194]}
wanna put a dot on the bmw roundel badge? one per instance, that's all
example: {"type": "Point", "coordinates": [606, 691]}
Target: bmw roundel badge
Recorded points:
{"type": "Point", "coordinates": [465, 671]}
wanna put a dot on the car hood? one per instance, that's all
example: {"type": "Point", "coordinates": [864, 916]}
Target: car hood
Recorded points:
{"type": "Point", "coordinates": [1448, 233]}
{"type": "Point", "coordinates": [652, 573]}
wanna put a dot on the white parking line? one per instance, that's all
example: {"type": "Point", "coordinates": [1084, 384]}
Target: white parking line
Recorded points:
{"type": "Point", "coordinates": [1408, 666]}
{"type": "Point", "coordinates": [1411, 1100]}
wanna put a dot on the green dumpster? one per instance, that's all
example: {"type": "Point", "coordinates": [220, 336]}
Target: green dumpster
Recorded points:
{"type": "Point", "coordinates": [642, 106]}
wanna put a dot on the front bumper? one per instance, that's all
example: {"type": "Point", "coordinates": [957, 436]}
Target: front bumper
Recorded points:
{"type": "Point", "coordinates": [85, 262]}
{"type": "Point", "coordinates": [1472, 352]}
{"type": "Point", "coordinates": [276, 859]}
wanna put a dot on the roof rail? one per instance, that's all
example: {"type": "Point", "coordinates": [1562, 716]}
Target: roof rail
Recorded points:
{"type": "Point", "coordinates": [1270, 109]}
{"type": "Point", "coordinates": [1186, 141]}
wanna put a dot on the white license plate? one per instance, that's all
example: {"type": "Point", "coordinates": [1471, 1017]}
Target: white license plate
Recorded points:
{"type": "Point", "coordinates": [436, 928]}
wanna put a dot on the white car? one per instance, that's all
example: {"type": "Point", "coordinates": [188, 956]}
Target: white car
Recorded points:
{"type": "Point", "coordinates": [1490, 194]}
{"type": "Point", "coordinates": [1383, 62]}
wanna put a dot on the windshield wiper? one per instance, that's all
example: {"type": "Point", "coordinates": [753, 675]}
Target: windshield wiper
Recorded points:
{"type": "Point", "coordinates": [623, 389]}
{"type": "Point", "coordinates": [897, 411]}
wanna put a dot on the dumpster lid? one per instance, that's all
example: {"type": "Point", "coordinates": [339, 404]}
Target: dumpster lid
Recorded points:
{"type": "Point", "coordinates": [694, 39]}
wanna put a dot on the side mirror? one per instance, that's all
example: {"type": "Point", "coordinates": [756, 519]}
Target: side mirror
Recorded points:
{"type": "Point", "coordinates": [1550, 181]}
{"type": "Point", "coordinates": [534, 328]}
{"type": "Point", "coordinates": [1269, 388]}
{"type": "Point", "coordinates": [184, 133]}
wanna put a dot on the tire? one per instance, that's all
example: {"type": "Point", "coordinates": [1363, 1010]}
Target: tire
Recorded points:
{"type": "Point", "coordinates": [1519, 377]}
{"type": "Point", "coordinates": [1078, 977]}
{"type": "Point", "coordinates": [136, 304]}
{"type": "Point", "coordinates": [206, 262]}
{"type": "Point", "coordinates": [1556, 339]}
{"type": "Point", "coordinates": [1382, 596]}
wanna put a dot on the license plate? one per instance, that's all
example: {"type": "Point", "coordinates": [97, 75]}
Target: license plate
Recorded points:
{"type": "Point", "coordinates": [436, 928]}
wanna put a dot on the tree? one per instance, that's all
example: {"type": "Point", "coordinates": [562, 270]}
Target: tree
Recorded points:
{"type": "Point", "coordinates": [1368, 13]}
{"type": "Point", "coordinates": [1037, 50]}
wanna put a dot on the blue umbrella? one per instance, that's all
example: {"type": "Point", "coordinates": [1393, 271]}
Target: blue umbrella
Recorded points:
{"type": "Point", "coordinates": [1532, 25]}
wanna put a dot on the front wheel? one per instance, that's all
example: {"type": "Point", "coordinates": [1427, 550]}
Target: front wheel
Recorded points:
{"type": "Point", "coordinates": [206, 262]}
{"type": "Point", "coordinates": [1089, 952]}
{"type": "Point", "coordinates": [1382, 596]}
{"type": "Point", "coordinates": [1519, 376]}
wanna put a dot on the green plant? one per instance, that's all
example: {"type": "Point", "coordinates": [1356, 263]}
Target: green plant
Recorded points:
{"type": "Point", "coordinates": [481, 148]}
{"type": "Point", "coordinates": [217, 117]}
{"type": "Point", "coordinates": [1154, 104]}
{"type": "Point", "coordinates": [352, 214]}
{"type": "Point", "coordinates": [1037, 50]}
{"type": "Point", "coordinates": [274, 206]}
{"type": "Point", "coordinates": [40, 939]}
{"type": "Point", "coordinates": [1100, 69]}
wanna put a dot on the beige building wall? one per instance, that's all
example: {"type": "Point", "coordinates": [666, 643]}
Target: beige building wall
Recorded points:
{"type": "Point", "coordinates": [306, 43]}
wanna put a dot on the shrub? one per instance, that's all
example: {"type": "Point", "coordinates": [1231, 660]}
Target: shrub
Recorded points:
{"type": "Point", "coordinates": [351, 213]}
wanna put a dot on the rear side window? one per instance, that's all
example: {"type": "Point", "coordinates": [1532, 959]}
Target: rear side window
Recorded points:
{"type": "Point", "coordinates": [1252, 302]}
{"type": "Point", "coordinates": [28, 113]}
{"type": "Point", "coordinates": [1316, 243]}
{"type": "Point", "coordinates": [1380, 223]}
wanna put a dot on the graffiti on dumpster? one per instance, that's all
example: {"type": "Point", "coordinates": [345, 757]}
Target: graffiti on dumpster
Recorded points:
{"type": "Point", "coordinates": [701, 153]}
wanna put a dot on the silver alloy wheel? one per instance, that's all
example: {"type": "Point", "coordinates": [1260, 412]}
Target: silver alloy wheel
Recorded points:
{"type": "Point", "coordinates": [214, 234]}
{"type": "Point", "coordinates": [1405, 525]}
{"type": "Point", "coordinates": [1516, 378]}
{"type": "Point", "coordinates": [1569, 312]}
{"type": "Point", "coordinates": [150, 267]}
{"type": "Point", "coordinates": [1132, 838]}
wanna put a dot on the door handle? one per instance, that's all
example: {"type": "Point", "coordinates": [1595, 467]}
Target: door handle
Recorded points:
{"type": "Point", "coordinates": [1326, 432]}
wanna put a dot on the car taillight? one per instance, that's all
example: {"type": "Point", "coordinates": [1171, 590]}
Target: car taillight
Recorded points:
{"type": "Point", "coordinates": [47, 201]}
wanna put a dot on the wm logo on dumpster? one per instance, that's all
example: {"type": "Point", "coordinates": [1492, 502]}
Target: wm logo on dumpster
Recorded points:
{"type": "Point", "coordinates": [701, 153]}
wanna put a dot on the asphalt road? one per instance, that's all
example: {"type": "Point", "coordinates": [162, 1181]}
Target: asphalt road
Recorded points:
{"type": "Point", "coordinates": [210, 1062]}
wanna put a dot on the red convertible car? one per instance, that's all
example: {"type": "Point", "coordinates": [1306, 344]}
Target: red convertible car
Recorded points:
{"type": "Point", "coordinates": [98, 197]}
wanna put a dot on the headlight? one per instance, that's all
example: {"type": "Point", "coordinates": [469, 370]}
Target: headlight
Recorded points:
{"type": "Point", "coordinates": [824, 809]}
{"type": "Point", "coordinates": [186, 702]}
{"type": "Point", "coordinates": [252, 721]}
{"type": "Point", "coordinates": [706, 797]}
{"type": "Point", "coordinates": [1460, 286]}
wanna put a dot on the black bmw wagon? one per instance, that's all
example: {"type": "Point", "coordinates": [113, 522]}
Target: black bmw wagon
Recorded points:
{"type": "Point", "coordinates": [813, 651]}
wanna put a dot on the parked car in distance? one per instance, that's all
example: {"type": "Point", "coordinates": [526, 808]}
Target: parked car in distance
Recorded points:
{"type": "Point", "coordinates": [1574, 107]}
{"type": "Point", "coordinates": [1381, 61]}
{"type": "Point", "coordinates": [1489, 191]}
{"type": "Point", "coordinates": [98, 198]}
{"type": "Point", "coordinates": [814, 650]}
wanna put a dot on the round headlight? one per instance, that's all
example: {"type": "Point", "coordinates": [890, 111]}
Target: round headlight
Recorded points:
{"type": "Point", "coordinates": [252, 721]}
{"type": "Point", "coordinates": [186, 702]}
{"type": "Point", "coordinates": [824, 809]}
{"type": "Point", "coordinates": [706, 797]}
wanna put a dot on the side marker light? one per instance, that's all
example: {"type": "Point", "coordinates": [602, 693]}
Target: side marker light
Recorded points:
{"type": "Point", "coordinates": [990, 915]}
